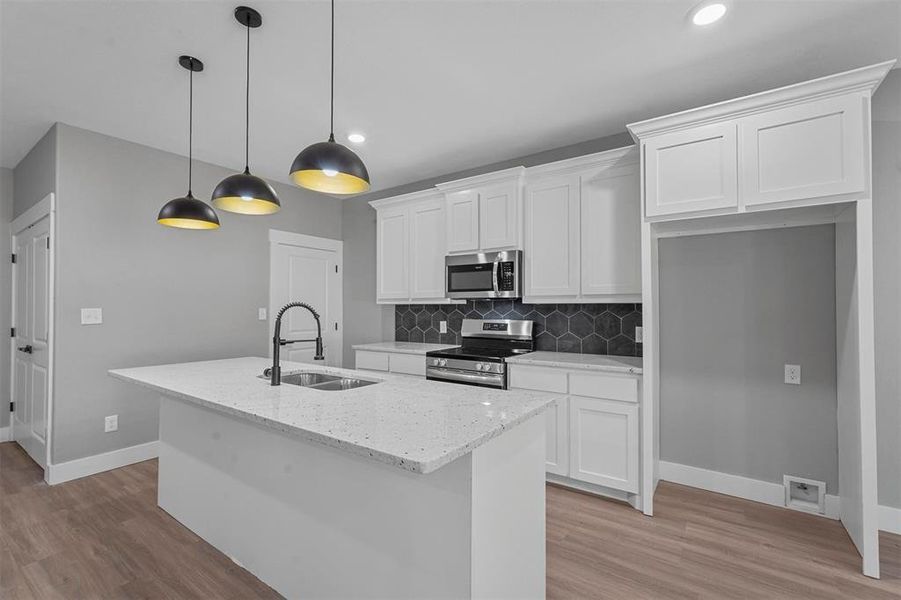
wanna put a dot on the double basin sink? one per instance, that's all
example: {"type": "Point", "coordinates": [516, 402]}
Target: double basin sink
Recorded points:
{"type": "Point", "coordinates": [323, 381]}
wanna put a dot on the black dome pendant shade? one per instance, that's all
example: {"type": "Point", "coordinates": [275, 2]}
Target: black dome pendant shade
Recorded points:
{"type": "Point", "coordinates": [245, 193]}
{"type": "Point", "coordinates": [188, 212]}
{"type": "Point", "coordinates": [330, 167]}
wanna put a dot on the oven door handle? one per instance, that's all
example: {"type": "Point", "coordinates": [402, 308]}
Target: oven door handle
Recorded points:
{"type": "Point", "coordinates": [492, 379]}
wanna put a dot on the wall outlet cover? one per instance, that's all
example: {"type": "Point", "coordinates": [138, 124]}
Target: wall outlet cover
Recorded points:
{"type": "Point", "coordinates": [793, 374]}
{"type": "Point", "coordinates": [639, 336]}
{"type": "Point", "coordinates": [261, 314]}
{"type": "Point", "coordinates": [442, 327]}
{"type": "Point", "coordinates": [91, 316]}
{"type": "Point", "coordinates": [111, 423]}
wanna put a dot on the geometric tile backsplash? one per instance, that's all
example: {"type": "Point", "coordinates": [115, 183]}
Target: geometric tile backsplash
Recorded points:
{"type": "Point", "coordinates": [581, 328]}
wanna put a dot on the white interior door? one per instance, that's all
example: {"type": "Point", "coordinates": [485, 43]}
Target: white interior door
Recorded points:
{"type": "Point", "coordinates": [31, 353]}
{"type": "Point", "coordinates": [307, 269]}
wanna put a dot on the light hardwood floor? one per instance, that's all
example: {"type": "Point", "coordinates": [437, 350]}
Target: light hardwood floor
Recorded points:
{"type": "Point", "coordinates": [104, 537]}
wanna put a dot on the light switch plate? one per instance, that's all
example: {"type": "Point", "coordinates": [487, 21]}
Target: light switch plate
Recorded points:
{"type": "Point", "coordinates": [91, 316]}
{"type": "Point", "coordinates": [261, 314]}
{"type": "Point", "coordinates": [793, 374]}
{"type": "Point", "coordinates": [442, 327]}
{"type": "Point", "coordinates": [111, 423]}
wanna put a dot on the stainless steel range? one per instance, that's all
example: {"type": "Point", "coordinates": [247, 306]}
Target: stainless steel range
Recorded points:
{"type": "Point", "coordinates": [481, 360]}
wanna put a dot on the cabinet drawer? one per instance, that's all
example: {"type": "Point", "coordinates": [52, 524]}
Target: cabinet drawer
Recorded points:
{"type": "Point", "coordinates": [373, 361]}
{"type": "Point", "coordinates": [537, 378]}
{"type": "Point", "coordinates": [611, 387]}
{"type": "Point", "coordinates": [409, 364]}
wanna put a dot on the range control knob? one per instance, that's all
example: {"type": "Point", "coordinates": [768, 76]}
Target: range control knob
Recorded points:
{"type": "Point", "coordinates": [479, 366]}
{"type": "Point", "coordinates": [442, 362]}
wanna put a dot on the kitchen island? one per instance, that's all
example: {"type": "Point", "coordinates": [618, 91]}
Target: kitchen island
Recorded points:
{"type": "Point", "coordinates": [404, 488]}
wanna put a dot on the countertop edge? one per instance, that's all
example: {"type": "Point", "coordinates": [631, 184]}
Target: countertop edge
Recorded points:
{"type": "Point", "coordinates": [539, 362]}
{"type": "Point", "coordinates": [373, 347]}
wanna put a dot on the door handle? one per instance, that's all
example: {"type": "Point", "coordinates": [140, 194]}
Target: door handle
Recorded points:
{"type": "Point", "coordinates": [26, 349]}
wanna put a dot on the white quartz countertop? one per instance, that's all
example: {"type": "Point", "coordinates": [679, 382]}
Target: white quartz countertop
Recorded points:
{"type": "Point", "coordinates": [403, 347]}
{"type": "Point", "coordinates": [408, 422]}
{"type": "Point", "coordinates": [571, 360]}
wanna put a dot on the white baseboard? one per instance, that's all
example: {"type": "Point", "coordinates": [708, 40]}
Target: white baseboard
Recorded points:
{"type": "Point", "coordinates": [738, 486]}
{"type": "Point", "coordinates": [5, 434]}
{"type": "Point", "coordinates": [82, 467]}
{"type": "Point", "coordinates": [633, 500]}
{"type": "Point", "coordinates": [890, 519]}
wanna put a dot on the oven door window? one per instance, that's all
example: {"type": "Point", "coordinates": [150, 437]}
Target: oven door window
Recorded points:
{"type": "Point", "coordinates": [470, 278]}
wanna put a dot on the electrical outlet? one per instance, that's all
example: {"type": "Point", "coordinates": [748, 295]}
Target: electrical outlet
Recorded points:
{"type": "Point", "coordinates": [91, 316]}
{"type": "Point", "coordinates": [111, 423]}
{"type": "Point", "coordinates": [638, 335]}
{"type": "Point", "coordinates": [793, 374]}
{"type": "Point", "coordinates": [261, 314]}
{"type": "Point", "coordinates": [442, 327]}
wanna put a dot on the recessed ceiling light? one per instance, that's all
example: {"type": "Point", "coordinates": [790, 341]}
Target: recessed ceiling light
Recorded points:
{"type": "Point", "coordinates": [708, 13]}
{"type": "Point", "coordinates": [356, 138]}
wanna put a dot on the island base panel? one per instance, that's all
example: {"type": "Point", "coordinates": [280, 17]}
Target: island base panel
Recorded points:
{"type": "Point", "coordinates": [314, 521]}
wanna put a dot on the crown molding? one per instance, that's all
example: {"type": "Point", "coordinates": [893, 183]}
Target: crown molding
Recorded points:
{"type": "Point", "coordinates": [502, 176]}
{"type": "Point", "coordinates": [405, 198]}
{"type": "Point", "coordinates": [863, 80]}
{"type": "Point", "coordinates": [618, 157]}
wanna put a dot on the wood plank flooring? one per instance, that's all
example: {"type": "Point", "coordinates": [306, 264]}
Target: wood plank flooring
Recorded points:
{"type": "Point", "coordinates": [104, 537]}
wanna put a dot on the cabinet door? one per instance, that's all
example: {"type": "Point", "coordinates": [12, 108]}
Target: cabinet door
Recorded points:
{"type": "Point", "coordinates": [690, 171]}
{"type": "Point", "coordinates": [604, 442]}
{"type": "Point", "coordinates": [391, 254]}
{"type": "Point", "coordinates": [427, 249]}
{"type": "Point", "coordinates": [806, 151]}
{"type": "Point", "coordinates": [463, 221]}
{"type": "Point", "coordinates": [552, 244]}
{"type": "Point", "coordinates": [611, 232]}
{"type": "Point", "coordinates": [557, 420]}
{"type": "Point", "coordinates": [499, 217]}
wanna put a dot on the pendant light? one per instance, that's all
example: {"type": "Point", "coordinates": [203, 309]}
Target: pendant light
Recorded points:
{"type": "Point", "coordinates": [330, 167]}
{"type": "Point", "coordinates": [245, 193]}
{"type": "Point", "coordinates": [188, 212]}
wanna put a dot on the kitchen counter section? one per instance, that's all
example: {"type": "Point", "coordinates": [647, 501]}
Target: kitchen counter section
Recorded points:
{"type": "Point", "coordinates": [571, 360]}
{"type": "Point", "coordinates": [403, 347]}
{"type": "Point", "coordinates": [410, 423]}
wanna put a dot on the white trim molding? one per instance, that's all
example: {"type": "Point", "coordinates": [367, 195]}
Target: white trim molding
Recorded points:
{"type": "Point", "coordinates": [91, 465]}
{"type": "Point", "coordinates": [738, 486]}
{"type": "Point", "coordinates": [890, 519]}
{"type": "Point", "coordinates": [6, 433]}
{"type": "Point", "coordinates": [493, 177]}
{"type": "Point", "coordinates": [306, 241]}
{"type": "Point", "coordinates": [864, 80]}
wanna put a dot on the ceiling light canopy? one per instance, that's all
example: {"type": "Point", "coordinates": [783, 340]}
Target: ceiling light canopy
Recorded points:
{"type": "Point", "coordinates": [708, 12]}
{"type": "Point", "coordinates": [330, 167]}
{"type": "Point", "coordinates": [245, 193]}
{"type": "Point", "coordinates": [188, 212]}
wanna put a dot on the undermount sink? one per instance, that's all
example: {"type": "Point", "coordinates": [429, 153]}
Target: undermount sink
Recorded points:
{"type": "Point", "coordinates": [323, 381]}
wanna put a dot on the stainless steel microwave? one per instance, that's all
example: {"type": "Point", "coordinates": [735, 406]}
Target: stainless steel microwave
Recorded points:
{"type": "Point", "coordinates": [484, 275]}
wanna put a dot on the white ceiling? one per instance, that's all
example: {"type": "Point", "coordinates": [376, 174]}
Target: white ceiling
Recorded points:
{"type": "Point", "coordinates": [437, 86]}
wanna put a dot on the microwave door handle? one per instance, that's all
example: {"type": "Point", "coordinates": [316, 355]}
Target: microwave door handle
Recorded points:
{"type": "Point", "coordinates": [494, 275]}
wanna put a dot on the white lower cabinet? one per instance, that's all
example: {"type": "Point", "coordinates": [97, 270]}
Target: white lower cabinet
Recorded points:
{"type": "Point", "coordinates": [394, 362]}
{"type": "Point", "coordinates": [593, 428]}
{"type": "Point", "coordinates": [603, 442]}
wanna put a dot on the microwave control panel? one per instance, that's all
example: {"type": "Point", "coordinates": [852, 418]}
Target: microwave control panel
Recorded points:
{"type": "Point", "coordinates": [506, 275]}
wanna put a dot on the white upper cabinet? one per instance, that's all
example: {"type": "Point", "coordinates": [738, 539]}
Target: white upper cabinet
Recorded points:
{"type": "Point", "coordinates": [484, 213]}
{"type": "Point", "coordinates": [410, 248]}
{"type": "Point", "coordinates": [800, 145]}
{"type": "Point", "coordinates": [582, 229]}
{"type": "Point", "coordinates": [691, 170]}
{"type": "Point", "coordinates": [427, 249]}
{"type": "Point", "coordinates": [815, 149]}
{"type": "Point", "coordinates": [552, 232]}
{"type": "Point", "coordinates": [392, 253]}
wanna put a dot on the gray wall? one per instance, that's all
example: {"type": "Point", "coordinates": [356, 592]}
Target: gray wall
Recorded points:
{"type": "Point", "coordinates": [35, 175]}
{"type": "Point", "coordinates": [167, 295]}
{"type": "Point", "coordinates": [366, 321]}
{"type": "Point", "coordinates": [734, 308]}
{"type": "Point", "coordinates": [887, 224]}
{"type": "Point", "coordinates": [6, 215]}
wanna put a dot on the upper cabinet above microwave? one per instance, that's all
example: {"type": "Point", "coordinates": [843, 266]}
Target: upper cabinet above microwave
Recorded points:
{"type": "Point", "coordinates": [799, 145]}
{"type": "Point", "coordinates": [484, 213]}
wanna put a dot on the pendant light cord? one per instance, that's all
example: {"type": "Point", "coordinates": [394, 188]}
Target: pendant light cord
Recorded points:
{"type": "Point", "coordinates": [332, 115]}
{"type": "Point", "coordinates": [247, 108]}
{"type": "Point", "coordinates": [190, 127]}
